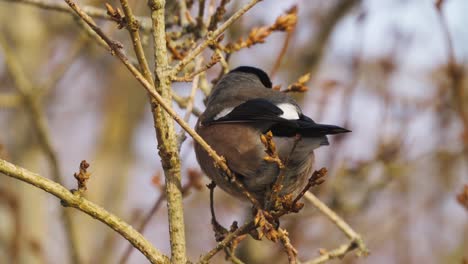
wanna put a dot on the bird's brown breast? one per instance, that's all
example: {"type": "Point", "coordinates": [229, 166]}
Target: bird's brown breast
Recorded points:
{"type": "Point", "coordinates": [241, 146]}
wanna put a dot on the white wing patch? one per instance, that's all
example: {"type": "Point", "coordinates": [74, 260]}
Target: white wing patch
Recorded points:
{"type": "Point", "coordinates": [223, 113]}
{"type": "Point", "coordinates": [289, 111]}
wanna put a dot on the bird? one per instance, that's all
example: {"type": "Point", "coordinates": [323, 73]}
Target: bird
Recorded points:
{"type": "Point", "coordinates": [242, 107]}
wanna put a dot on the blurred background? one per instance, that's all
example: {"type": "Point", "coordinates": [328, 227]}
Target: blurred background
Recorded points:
{"type": "Point", "coordinates": [392, 71]}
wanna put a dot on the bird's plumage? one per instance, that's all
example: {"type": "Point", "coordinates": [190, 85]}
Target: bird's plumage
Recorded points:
{"type": "Point", "coordinates": [241, 107]}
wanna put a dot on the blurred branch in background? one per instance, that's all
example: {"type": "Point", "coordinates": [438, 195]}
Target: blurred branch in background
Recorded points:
{"type": "Point", "coordinates": [194, 183]}
{"type": "Point", "coordinates": [38, 118]}
{"type": "Point", "coordinates": [13, 245]}
{"type": "Point", "coordinates": [145, 23]}
{"type": "Point", "coordinates": [312, 55]}
{"type": "Point", "coordinates": [455, 72]}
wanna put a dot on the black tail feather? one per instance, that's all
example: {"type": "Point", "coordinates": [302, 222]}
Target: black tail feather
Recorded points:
{"type": "Point", "coordinates": [313, 130]}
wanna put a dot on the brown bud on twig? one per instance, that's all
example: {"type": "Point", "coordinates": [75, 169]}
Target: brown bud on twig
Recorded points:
{"type": "Point", "coordinates": [270, 149]}
{"type": "Point", "coordinates": [116, 15]}
{"type": "Point", "coordinates": [286, 22]}
{"type": "Point", "coordinates": [82, 176]}
{"type": "Point", "coordinates": [299, 85]}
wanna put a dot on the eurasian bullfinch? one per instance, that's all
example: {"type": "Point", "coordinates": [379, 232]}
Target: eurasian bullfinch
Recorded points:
{"type": "Point", "coordinates": [241, 107]}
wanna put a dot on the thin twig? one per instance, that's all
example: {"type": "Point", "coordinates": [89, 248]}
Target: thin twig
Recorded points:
{"type": "Point", "coordinates": [141, 228]}
{"type": "Point", "coordinates": [144, 223]}
{"type": "Point", "coordinates": [226, 241]}
{"type": "Point", "coordinates": [198, 70]}
{"type": "Point", "coordinates": [201, 13]}
{"type": "Point", "coordinates": [190, 102]}
{"type": "Point", "coordinates": [71, 200]}
{"type": "Point", "coordinates": [132, 27]}
{"type": "Point", "coordinates": [339, 252]}
{"type": "Point", "coordinates": [340, 223]}
{"type": "Point", "coordinates": [288, 247]}
{"type": "Point", "coordinates": [195, 85]}
{"type": "Point", "coordinates": [183, 13]}
{"type": "Point", "coordinates": [281, 54]}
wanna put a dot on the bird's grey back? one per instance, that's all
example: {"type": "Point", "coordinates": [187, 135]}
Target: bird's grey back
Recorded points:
{"type": "Point", "coordinates": [237, 87]}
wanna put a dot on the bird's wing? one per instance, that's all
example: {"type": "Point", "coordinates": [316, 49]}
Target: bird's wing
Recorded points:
{"type": "Point", "coordinates": [249, 111]}
{"type": "Point", "coordinates": [285, 118]}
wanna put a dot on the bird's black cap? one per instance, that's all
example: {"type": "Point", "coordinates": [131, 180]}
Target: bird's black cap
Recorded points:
{"type": "Point", "coordinates": [263, 76]}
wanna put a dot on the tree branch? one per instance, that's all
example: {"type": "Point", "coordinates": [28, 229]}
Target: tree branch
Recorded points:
{"type": "Point", "coordinates": [167, 138]}
{"type": "Point", "coordinates": [69, 199]}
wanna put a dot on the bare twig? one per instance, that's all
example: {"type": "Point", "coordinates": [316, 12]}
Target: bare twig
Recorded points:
{"type": "Point", "coordinates": [80, 203]}
{"type": "Point", "coordinates": [190, 102]}
{"type": "Point", "coordinates": [339, 252]}
{"type": "Point", "coordinates": [288, 247]}
{"type": "Point", "coordinates": [195, 85]}
{"type": "Point", "coordinates": [132, 27]}
{"type": "Point", "coordinates": [340, 223]}
{"type": "Point", "coordinates": [284, 48]}
{"type": "Point", "coordinates": [316, 179]}
{"type": "Point", "coordinates": [281, 54]}
{"type": "Point", "coordinates": [215, 58]}
{"type": "Point", "coordinates": [183, 13]}
{"type": "Point", "coordinates": [218, 15]}
{"type": "Point", "coordinates": [142, 226]}
{"type": "Point", "coordinates": [226, 241]}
